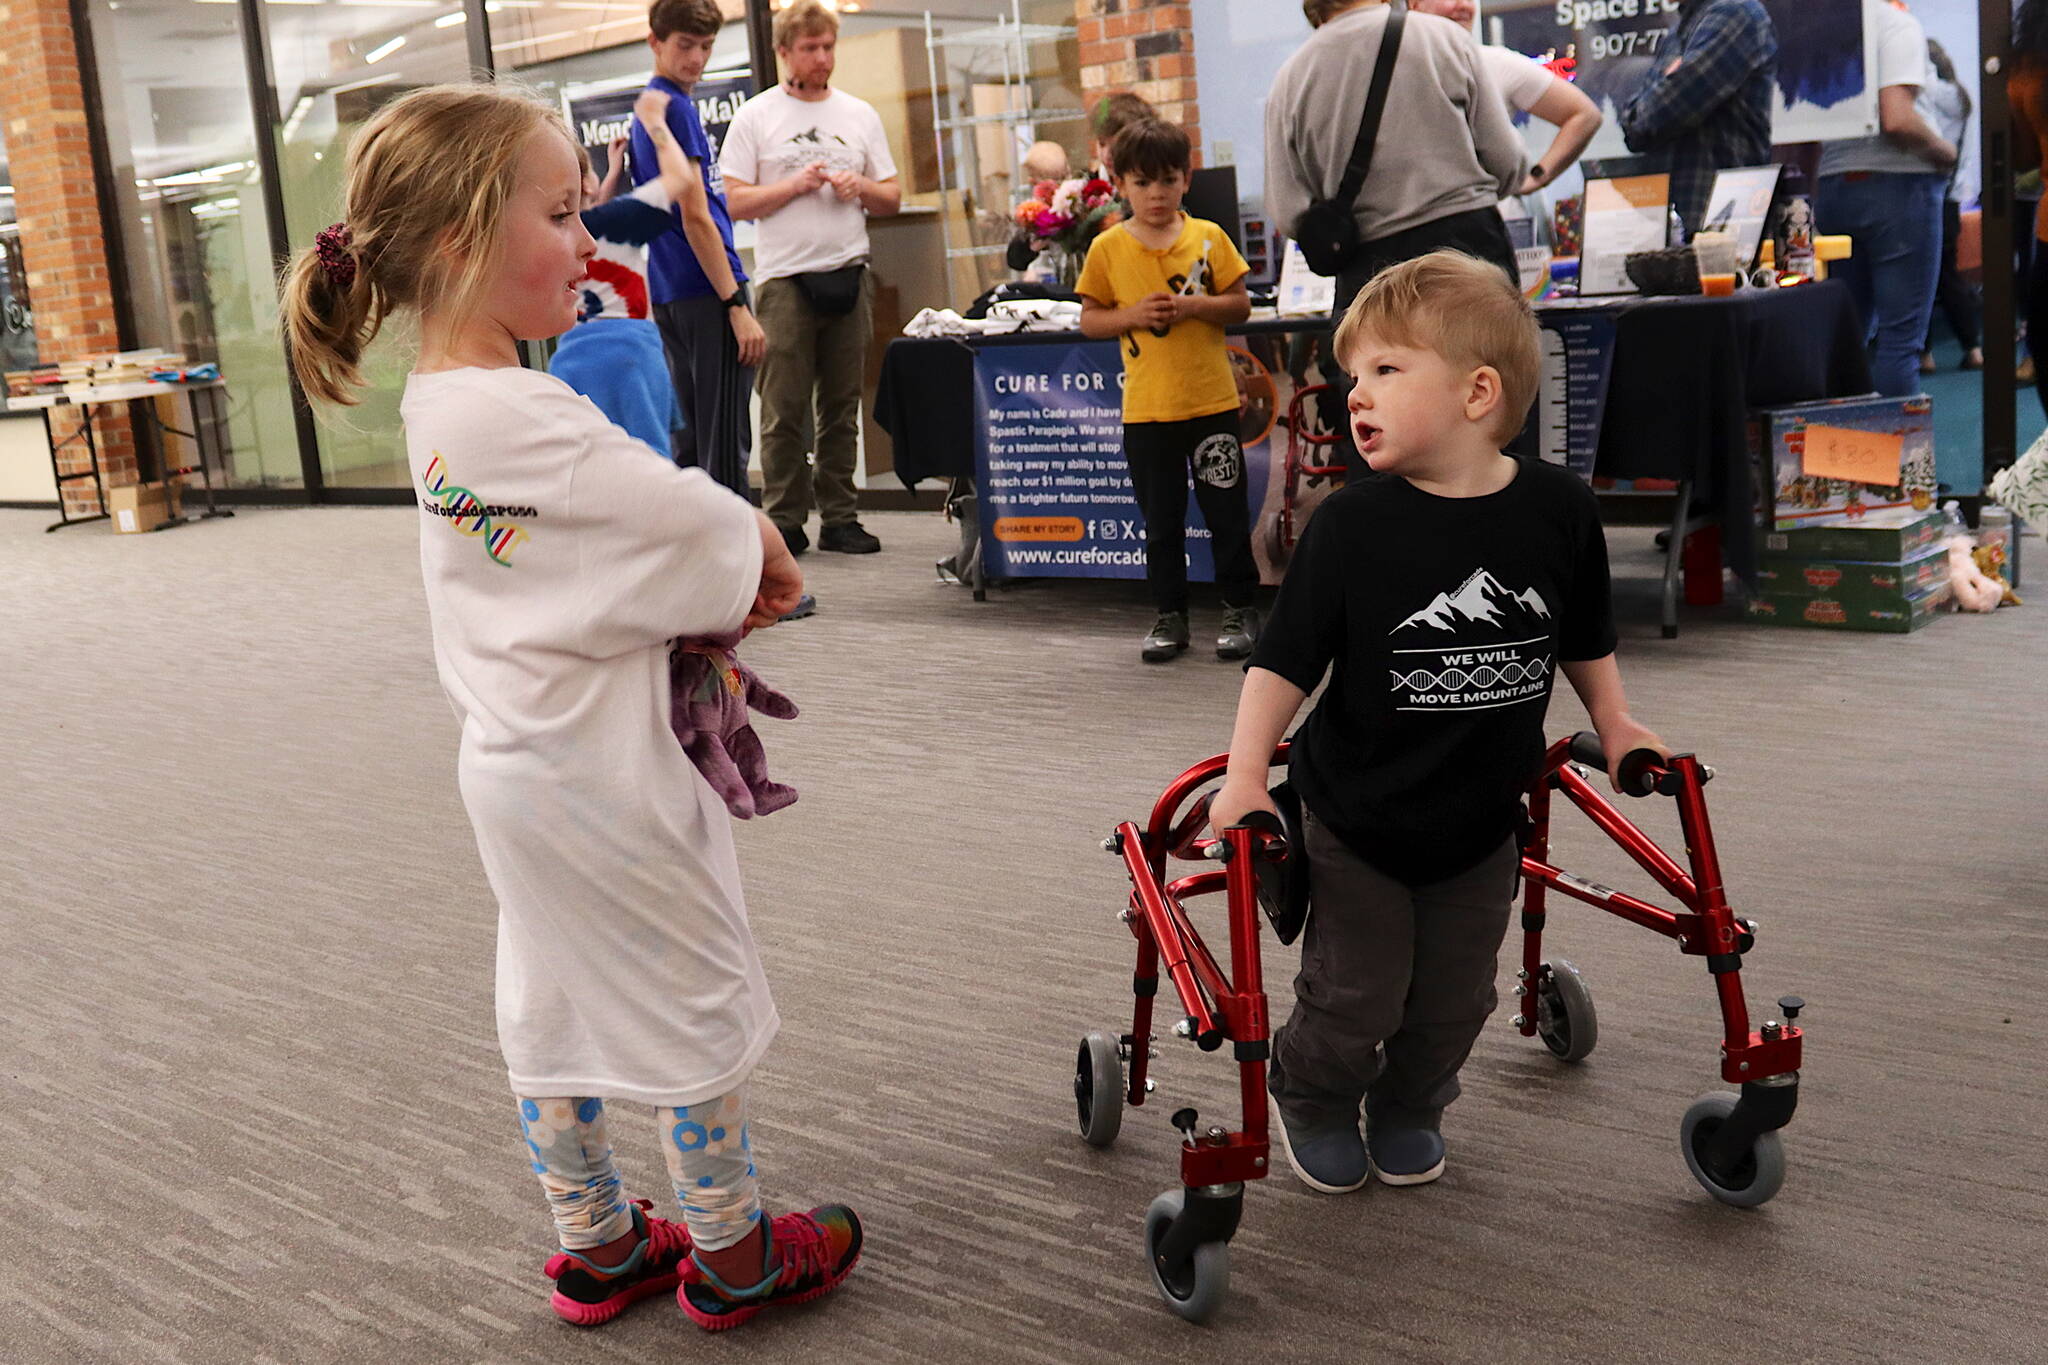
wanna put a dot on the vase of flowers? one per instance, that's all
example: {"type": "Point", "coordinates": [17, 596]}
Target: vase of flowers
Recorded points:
{"type": "Point", "coordinates": [1061, 219]}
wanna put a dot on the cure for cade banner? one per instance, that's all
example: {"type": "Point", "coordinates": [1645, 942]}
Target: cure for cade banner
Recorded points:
{"type": "Point", "coordinates": [1071, 381]}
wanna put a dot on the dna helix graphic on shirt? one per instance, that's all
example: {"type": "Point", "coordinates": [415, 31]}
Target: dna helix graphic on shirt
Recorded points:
{"type": "Point", "coordinates": [471, 516]}
{"type": "Point", "coordinates": [1459, 679]}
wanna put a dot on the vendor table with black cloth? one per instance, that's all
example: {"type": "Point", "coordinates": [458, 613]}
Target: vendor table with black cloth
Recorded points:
{"type": "Point", "coordinates": [1686, 373]}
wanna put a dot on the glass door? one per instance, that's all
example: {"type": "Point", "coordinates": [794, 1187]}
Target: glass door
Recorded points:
{"type": "Point", "coordinates": [333, 66]}
{"type": "Point", "coordinates": [181, 141]}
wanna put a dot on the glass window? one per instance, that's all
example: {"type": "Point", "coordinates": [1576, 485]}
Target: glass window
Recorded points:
{"type": "Point", "coordinates": [529, 33]}
{"type": "Point", "coordinates": [1008, 75]}
{"type": "Point", "coordinates": [333, 66]}
{"type": "Point", "coordinates": [17, 323]}
{"type": "Point", "coordinates": [198, 259]}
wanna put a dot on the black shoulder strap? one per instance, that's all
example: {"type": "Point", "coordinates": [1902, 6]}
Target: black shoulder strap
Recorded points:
{"type": "Point", "coordinates": [1375, 102]}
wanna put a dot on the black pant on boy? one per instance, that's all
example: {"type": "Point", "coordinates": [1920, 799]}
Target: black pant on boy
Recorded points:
{"type": "Point", "coordinates": [1162, 457]}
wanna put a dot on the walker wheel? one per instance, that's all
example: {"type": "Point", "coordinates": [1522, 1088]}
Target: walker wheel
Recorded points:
{"type": "Point", "coordinates": [1755, 1179]}
{"type": "Point", "coordinates": [1099, 1089]}
{"type": "Point", "coordinates": [1565, 1019]}
{"type": "Point", "coordinates": [1195, 1290]}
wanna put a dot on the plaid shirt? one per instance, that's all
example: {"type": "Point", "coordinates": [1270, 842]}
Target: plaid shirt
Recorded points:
{"type": "Point", "coordinates": [1714, 110]}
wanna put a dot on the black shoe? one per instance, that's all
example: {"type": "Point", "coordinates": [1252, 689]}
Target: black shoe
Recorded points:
{"type": "Point", "coordinates": [1168, 637]}
{"type": "Point", "coordinates": [848, 538]}
{"type": "Point", "coordinates": [1239, 633]}
{"type": "Point", "coordinates": [795, 539]}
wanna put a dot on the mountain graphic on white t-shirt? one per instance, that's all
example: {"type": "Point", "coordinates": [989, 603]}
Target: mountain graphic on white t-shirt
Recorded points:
{"type": "Point", "coordinates": [1481, 600]}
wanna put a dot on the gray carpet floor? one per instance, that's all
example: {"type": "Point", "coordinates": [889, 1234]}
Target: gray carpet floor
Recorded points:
{"type": "Point", "coordinates": [252, 1109]}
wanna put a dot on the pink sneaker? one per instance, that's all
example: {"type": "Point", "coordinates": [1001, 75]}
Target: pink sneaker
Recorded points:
{"type": "Point", "coordinates": [808, 1256]}
{"type": "Point", "coordinates": [587, 1295]}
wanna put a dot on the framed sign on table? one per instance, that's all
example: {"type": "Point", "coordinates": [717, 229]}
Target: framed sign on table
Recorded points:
{"type": "Point", "coordinates": [1621, 216]}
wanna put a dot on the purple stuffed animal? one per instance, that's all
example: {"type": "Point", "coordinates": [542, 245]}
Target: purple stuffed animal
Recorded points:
{"type": "Point", "coordinates": [709, 693]}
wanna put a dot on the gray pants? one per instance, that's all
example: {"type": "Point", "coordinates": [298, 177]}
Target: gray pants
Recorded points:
{"type": "Point", "coordinates": [1395, 984]}
{"type": "Point", "coordinates": [712, 389]}
{"type": "Point", "coordinates": [810, 401]}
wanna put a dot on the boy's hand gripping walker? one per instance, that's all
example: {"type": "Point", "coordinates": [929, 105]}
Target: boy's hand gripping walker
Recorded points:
{"type": "Point", "coordinates": [1729, 1141]}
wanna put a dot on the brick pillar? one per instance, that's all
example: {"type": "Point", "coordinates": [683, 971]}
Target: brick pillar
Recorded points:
{"type": "Point", "coordinates": [1146, 47]}
{"type": "Point", "coordinates": [63, 246]}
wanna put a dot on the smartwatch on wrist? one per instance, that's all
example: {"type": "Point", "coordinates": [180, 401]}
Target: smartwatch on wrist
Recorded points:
{"type": "Point", "coordinates": [738, 299]}
{"type": "Point", "coordinates": [1539, 173]}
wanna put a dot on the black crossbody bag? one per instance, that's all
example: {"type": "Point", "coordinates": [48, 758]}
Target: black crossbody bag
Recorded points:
{"type": "Point", "coordinates": [1326, 231]}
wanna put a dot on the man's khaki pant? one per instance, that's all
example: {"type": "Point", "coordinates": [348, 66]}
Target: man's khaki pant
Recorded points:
{"type": "Point", "coordinates": [810, 385]}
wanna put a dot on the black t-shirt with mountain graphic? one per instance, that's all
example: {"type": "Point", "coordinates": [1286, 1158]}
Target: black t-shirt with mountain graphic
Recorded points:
{"type": "Point", "coordinates": [1441, 622]}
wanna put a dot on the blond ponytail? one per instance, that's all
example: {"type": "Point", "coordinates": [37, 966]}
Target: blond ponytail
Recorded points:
{"type": "Point", "coordinates": [427, 181]}
{"type": "Point", "coordinates": [329, 320]}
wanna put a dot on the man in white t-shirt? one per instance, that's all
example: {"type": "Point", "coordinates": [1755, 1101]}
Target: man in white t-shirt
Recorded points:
{"type": "Point", "coordinates": [811, 163]}
{"type": "Point", "coordinates": [1885, 192]}
{"type": "Point", "coordinates": [1530, 88]}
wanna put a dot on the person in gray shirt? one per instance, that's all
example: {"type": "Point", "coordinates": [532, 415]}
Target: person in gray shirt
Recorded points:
{"type": "Point", "coordinates": [1446, 154]}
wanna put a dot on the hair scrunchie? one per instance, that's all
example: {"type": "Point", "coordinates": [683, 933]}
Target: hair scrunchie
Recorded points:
{"type": "Point", "coordinates": [333, 247]}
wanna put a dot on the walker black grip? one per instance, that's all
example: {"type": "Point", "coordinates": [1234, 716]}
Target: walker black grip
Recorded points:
{"type": "Point", "coordinates": [1637, 779]}
{"type": "Point", "coordinates": [1266, 823]}
{"type": "Point", "coordinates": [1641, 770]}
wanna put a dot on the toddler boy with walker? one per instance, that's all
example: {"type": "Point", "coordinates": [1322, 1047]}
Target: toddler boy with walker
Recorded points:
{"type": "Point", "coordinates": [1167, 285]}
{"type": "Point", "coordinates": [1440, 594]}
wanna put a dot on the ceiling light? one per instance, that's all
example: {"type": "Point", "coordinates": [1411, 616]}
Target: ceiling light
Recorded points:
{"type": "Point", "coordinates": [367, 81]}
{"type": "Point", "coordinates": [535, 40]}
{"type": "Point", "coordinates": [384, 49]}
{"type": "Point", "coordinates": [451, 20]}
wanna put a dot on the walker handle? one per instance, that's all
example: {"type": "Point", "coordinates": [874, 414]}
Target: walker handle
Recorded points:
{"type": "Point", "coordinates": [1642, 770]}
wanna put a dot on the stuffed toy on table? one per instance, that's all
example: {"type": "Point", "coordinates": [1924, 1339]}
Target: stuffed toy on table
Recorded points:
{"type": "Point", "coordinates": [710, 692]}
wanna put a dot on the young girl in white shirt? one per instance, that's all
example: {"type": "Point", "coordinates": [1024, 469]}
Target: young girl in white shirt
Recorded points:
{"type": "Point", "coordinates": [559, 561]}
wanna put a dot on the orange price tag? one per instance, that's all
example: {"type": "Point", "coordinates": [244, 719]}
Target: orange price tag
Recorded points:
{"type": "Point", "coordinates": [1870, 457]}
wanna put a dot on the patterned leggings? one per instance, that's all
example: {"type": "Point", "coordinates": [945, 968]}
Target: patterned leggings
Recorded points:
{"type": "Point", "coordinates": [710, 1162]}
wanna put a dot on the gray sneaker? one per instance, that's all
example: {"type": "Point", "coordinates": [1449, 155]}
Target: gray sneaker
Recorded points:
{"type": "Point", "coordinates": [1240, 632]}
{"type": "Point", "coordinates": [1169, 636]}
{"type": "Point", "coordinates": [1329, 1157]}
{"type": "Point", "coordinates": [1405, 1156]}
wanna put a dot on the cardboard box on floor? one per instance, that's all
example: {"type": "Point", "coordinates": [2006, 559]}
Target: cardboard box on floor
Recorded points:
{"type": "Point", "coordinates": [1893, 536]}
{"type": "Point", "coordinates": [1791, 498]}
{"type": "Point", "coordinates": [1842, 578]}
{"type": "Point", "coordinates": [1886, 613]}
{"type": "Point", "coordinates": [140, 507]}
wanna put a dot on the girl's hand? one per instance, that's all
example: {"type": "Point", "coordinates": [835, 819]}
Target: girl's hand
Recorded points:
{"type": "Point", "coordinates": [651, 108]}
{"type": "Point", "coordinates": [782, 583]}
{"type": "Point", "coordinates": [1234, 801]}
{"type": "Point", "coordinates": [1622, 736]}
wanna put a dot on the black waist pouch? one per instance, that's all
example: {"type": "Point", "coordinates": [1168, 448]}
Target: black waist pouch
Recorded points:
{"type": "Point", "coordinates": [832, 292]}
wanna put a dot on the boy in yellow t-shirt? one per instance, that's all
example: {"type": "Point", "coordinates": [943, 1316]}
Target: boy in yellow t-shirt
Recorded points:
{"type": "Point", "coordinates": [1168, 285]}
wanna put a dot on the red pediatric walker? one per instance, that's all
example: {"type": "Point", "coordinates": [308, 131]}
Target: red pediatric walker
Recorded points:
{"type": "Point", "coordinates": [1730, 1141]}
{"type": "Point", "coordinates": [1309, 453]}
